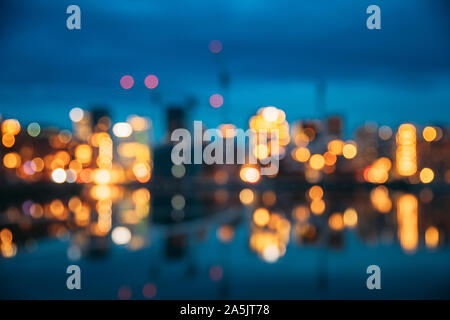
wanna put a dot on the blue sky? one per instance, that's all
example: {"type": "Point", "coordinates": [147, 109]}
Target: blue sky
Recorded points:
{"type": "Point", "coordinates": [275, 52]}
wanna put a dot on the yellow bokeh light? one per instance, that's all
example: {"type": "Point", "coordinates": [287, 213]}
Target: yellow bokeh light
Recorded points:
{"type": "Point", "coordinates": [350, 217]}
{"type": "Point", "coordinates": [83, 153]}
{"type": "Point", "coordinates": [336, 222]}
{"type": "Point", "coordinates": [316, 192]}
{"type": "Point", "coordinates": [426, 175]}
{"type": "Point", "coordinates": [301, 154]}
{"type": "Point", "coordinates": [246, 196]}
{"type": "Point", "coordinates": [261, 217]}
{"type": "Point", "coordinates": [429, 134]}
{"type": "Point", "coordinates": [37, 164]}
{"type": "Point", "coordinates": [317, 206]}
{"type": "Point", "coordinates": [250, 174]}
{"type": "Point", "coordinates": [6, 236]}
{"type": "Point", "coordinates": [407, 222]}
{"type": "Point", "coordinates": [261, 151]}
{"type": "Point", "coordinates": [349, 151]}
{"type": "Point", "coordinates": [11, 160]}
{"type": "Point", "coordinates": [142, 172]}
{"type": "Point", "coordinates": [102, 176]}
{"type": "Point", "coordinates": [336, 146]}
{"type": "Point", "coordinates": [8, 140]}
{"type": "Point", "coordinates": [317, 161]}
{"type": "Point", "coordinates": [330, 158]}
{"type": "Point", "coordinates": [432, 237]}
{"type": "Point", "coordinates": [380, 199]}
{"type": "Point", "coordinates": [10, 127]}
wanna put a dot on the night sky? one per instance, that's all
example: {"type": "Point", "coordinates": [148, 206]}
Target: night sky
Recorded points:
{"type": "Point", "coordinates": [275, 52]}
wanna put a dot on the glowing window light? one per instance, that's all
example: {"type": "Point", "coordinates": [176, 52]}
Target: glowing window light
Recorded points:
{"type": "Point", "coordinates": [246, 196]}
{"type": "Point", "coordinates": [349, 151]}
{"type": "Point", "coordinates": [350, 217]}
{"type": "Point", "coordinates": [270, 114]}
{"type": "Point", "coordinates": [426, 175]}
{"type": "Point", "coordinates": [406, 161]}
{"type": "Point", "coordinates": [76, 114]}
{"type": "Point", "coordinates": [59, 175]}
{"type": "Point", "coordinates": [407, 222]}
{"type": "Point", "coordinates": [316, 161]}
{"type": "Point", "coordinates": [122, 130]}
{"type": "Point", "coordinates": [151, 81]}
{"type": "Point", "coordinates": [261, 217]}
{"type": "Point", "coordinates": [216, 100]}
{"type": "Point", "coordinates": [429, 134]}
{"type": "Point", "coordinates": [432, 237]}
{"type": "Point", "coordinates": [34, 129]}
{"type": "Point", "coordinates": [12, 160]}
{"type": "Point", "coordinates": [121, 235]}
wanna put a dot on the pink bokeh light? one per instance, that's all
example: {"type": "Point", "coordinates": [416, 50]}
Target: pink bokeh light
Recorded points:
{"type": "Point", "coordinates": [151, 81]}
{"type": "Point", "coordinates": [215, 46]}
{"type": "Point", "coordinates": [127, 82]}
{"type": "Point", "coordinates": [216, 100]}
{"type": "Point", "coordinates": [149, 290]}
{"type": "Point", "coordinates": [124, 293]}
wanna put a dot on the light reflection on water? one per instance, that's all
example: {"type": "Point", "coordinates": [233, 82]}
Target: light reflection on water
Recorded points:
{"type": "Point", "coordinates": [245, 243]}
